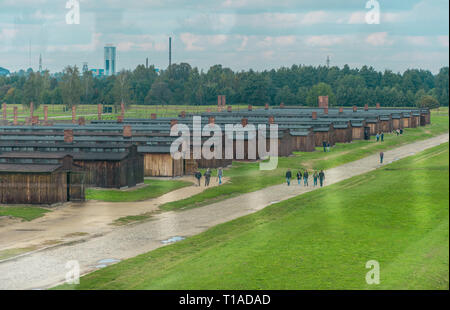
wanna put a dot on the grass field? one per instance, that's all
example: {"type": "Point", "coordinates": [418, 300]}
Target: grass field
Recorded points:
{"type": "Point", "coordinates": [24, 213]}
{"type": "Point", "coordinates": [246, 177]}
{"type": "Point", "coordinates": [154, 188]}
{"type": "Point", "coordinates": [396, 215]}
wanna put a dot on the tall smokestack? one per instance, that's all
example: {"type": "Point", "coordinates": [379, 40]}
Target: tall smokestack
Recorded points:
{"type": "Point", "coordinates": [170, 51]}
{"type": "Point", "coordinates": [146, 62]}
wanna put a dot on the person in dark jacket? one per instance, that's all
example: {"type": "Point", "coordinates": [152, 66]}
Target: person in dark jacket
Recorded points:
{"type": "Point", "coordinates": [321, 177]}
{"type": "Point", "coordinates": [207, 177]}
{"type": "Point", "coordinates": [324, 143]}
{"type": "Point", "coordinates": [299, 177]}
{"type": "Point", "coordinates": [382, 136]}
{"type": "Point", "coordinates": [315, 177]}
{"type": "Point", "coordinates": [288, 177]}
{"type": "Point", "coordinates": [198, 176]}
{"type": "Point", "coordinates": [305, 178]}
{"type": "Point", "coordinates": [381, 157]}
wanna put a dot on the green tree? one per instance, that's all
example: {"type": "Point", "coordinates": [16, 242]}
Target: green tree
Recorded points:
{"type": "Point", "coordinates": [427, 101]}
{"type": "Point", "coordinates": [320, 89]}
{"type": "Point", "coordinates": [70, 85]}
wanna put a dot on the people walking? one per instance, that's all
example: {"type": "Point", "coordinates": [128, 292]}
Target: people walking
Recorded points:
{"type": "Point", "coordinates": [207, 177]}
{"type": "Point", "coordinates": [220, 175]}
{"type": "Point", "coordinates": [305, 178]}
{"type": "Point", "coordinates": [324, 143]}
{"type": "Point", "coordinates": [381, 157]}
{"type": "Point", "coordinates": [198, 176]}
{"type": "Point", "coordinates": [382, 136]}
{"type": "Point", "coordinates": [378, 137]}
{"type": "Point", "coordinates": [328, 146]}
{"type": "Point", "coordinates": [299, 177]}
{"type": "Point", "coordinates": [321, 177]}
{"type": "Point", "coordinates": [315, 177]}
{"type": "Point", "coordinates": [288, 177]}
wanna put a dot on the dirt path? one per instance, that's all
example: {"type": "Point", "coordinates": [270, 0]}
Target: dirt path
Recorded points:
{"type": "Point", "coordinates": [46, 268]}
{"type": "Point", "coordinates": [79, 221]}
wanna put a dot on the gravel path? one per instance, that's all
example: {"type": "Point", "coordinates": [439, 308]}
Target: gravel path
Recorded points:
{"type": "Point", "coordinates": [46, 268]}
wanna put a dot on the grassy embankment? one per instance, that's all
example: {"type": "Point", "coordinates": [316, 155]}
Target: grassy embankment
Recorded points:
{"type": "Point", "coordinates": [396, 215]}
{"type": "Point", "coordinates": [246, 177]}
{"type": "Point", "coordinates": [26, 213]}
{"type": "Point", "coordinates": [152, 189]}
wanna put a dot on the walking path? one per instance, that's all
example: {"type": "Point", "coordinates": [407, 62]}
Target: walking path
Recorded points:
{"type": "Point", "coordinates": [46, 268]}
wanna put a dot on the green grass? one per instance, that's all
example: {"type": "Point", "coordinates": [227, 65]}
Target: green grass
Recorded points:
{"type": "Point", "coordinates": [24, 213]}
{"type": "Point", "coordinates": [154, 188]}
{"type": "Point", "coordinates": [397, 215]}
{"type": "Point", "coordinates": [246, 177]}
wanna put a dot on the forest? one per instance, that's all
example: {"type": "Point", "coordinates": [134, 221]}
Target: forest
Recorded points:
{"type": "Point", "coordinates": [184, 85]}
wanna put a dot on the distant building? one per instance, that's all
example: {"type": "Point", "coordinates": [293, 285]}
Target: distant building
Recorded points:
{"type": "Point", "coordinates": [98, 72]}
{"type": "Point", "coordinates": [4, 72]}
{"type": "Point", "coordinates": [110, 59]}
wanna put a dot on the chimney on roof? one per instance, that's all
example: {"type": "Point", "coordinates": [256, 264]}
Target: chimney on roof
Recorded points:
{"type": "Point", "coordinates": [266, 106]}
{"type": "Point", "coordinates": [183, 114]}
{"type": "Point", "coordinates": [323, 101]}
{"type": "Point", "coordinates": [314, 115]}
{"type": "Point", "coordinates": [224, 100]}
{"type": "Point", "coordinates": [120, 119]}
{"type": "Point", "coordinates": [153, 116]}
{"type": "Point", "coordinates": [208, 110]}
{"type": "Point", "coordinates": [45, 114]}
{"type": "Point", "coordinates": [341, 110]}
{"type": "Point", "coordinates": [366, 107]}
{"type": "Point", "coordinates": [244, 122]}
{"type": "Point", "coordinates": [173, 122]}
{"type": "Point", "coordinates": [219, 100]}
{"type": "Point", "coordinates": [229, 108]}
{"type": "Point", "coordinates": [325, 110]}
{"type": "Point", "coordinates": [99, 111]}
{"type": "Point", "coordinates": [282, 105]}
{"type": "Point", "coordinates": [4, 111]}
{"type": "Point", "coordinates": [34, 120]}
{"type": "Point", "coordinates": [271, 119]}
{"type": "Point", "coordinates": [378, 105]}
{"type": "Point", "coordinates": [211, 120]}
{"type": "Point", "coordinates": [15, 116]}
{"type": "Point", "coordinates": [250, 108]}
{"type": "Point", "coordinates": [127, 133]}
{"type": "Point", "coordinates": [81, 121]}
{"type": "Point", "coordinates": [74, 115]}
{"type": "Point", "coordinates": [122, 109]}
{"type": "Point", "coordinates": [355, 108]}
{"type": "Point", "coordinates": [68, 135]}
{"type": "Point", "coordinates": [219, 109]}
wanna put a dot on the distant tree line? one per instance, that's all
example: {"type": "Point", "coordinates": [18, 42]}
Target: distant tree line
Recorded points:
{"type": "Point", "coordinates": [182, 84]}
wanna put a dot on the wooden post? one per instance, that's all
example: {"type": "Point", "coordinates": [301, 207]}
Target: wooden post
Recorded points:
{"type": "Point", "coordinates": [15, 116]}
{"type": "Point", "coordinates": [45, 114]}
{"type": "Point", "coordinates": [99, 111]}
{"type": "Point", "coordinates": [74, 115]}
{"type": "Point", "coordinates": [4, 111]}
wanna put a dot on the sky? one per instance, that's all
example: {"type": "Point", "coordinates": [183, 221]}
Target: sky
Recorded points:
{"type": "Point", "coordinates": [239, 34]}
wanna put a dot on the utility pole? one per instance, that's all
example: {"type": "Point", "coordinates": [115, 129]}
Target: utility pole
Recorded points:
{"type": "Point", "coordinates": [328, 61]}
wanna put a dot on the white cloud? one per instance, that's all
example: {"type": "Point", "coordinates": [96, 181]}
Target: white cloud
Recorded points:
{"type": "Point", "coordinates": [189, 40]}
{"type": "Point", "coordinates": [378, 39]}
{"type": "Point", "coordinates": [325, 40]}
{"type": "Point", "coordinates": [443, 40]}
{"type": "Point", "coordinates": [417, 40]}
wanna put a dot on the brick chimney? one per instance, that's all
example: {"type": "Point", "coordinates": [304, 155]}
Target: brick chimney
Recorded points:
{"type": "Point", "coordinates": [271, 119]}
{"type": "Point", "coordinates": [219, 109]}
{"type": "Point", "coordinates": [244, 122]}
{"type": "Point", "coordinates": [4, 111]}
{"type": "Point", "coordinates": [127, 133]}
{"type": "Point", "coordinates": [35, 120]}
{"type": "Point", "coordinates": [366, 107]}
{"type": "Point", "coordinates": [15, 116]}
{"type": "Point", "coordinates": [355, 108]}
{"type": "Point", "coordinates": [81, 121]}
{"type": "Point", "coordinates": [314, 115]}
{"type": "Point", "coordinates": [323, 101]}
{"type": "Point", "coordinates": [224, 100]}
{"type": "Point", "coordinates": [74, 115]}
{"type": "Point", "coordinates": [250, 108]}
{"type": "Point", "coordinates": [173, 122]}
{"type": "Point", "coordinates": [229, 108]}
{"type": "Point", "coordinates": [122, 110]}
{"type": "Point", "coordinates": [153, 116]}
{"type": "Point", "coordinates": [120, 119]}
{"type": "Point", "coordinates": [325, 110]}
{"type": "Point", "coordinates": [183, 114]}
{"type": "Point", "coordinates": [99, 111]}
{"type": "Point", "coordinates": [68, 135]}
{"type": "Point", "coordinates": [208, 110]}
{"type": "Point", "coordinates": [219, 100]}
{"type": "Point", "coordinates": [282, 105]}
{"type": "Point", "coordinates": [211, 120]}
{"type": "Point", "coordinates": [378, 105]}
{"type": "Point", "coordinates": [341, 110]}
{"type": "Point", "coordinates": [31, 109]}
{"type": "Point", "coordinates": [45, 114]}
{"type": "Point", "coordinates": [266, 106]}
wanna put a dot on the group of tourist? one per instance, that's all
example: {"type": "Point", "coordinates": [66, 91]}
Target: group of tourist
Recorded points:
{"type": "Point", "coordinates": [304, 175]}
{"type": "Point", "coordinates": [326, 146]}
{"type": "Point", "coordinates": [380, 137]}
{"type": "Point", "coordinates": [207, 175]}
{"type": "Point", "coordinates": [398, 131]}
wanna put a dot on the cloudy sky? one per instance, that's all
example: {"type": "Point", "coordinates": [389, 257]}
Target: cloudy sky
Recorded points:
{"type": "Point", "coordinates": [240, 34]}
